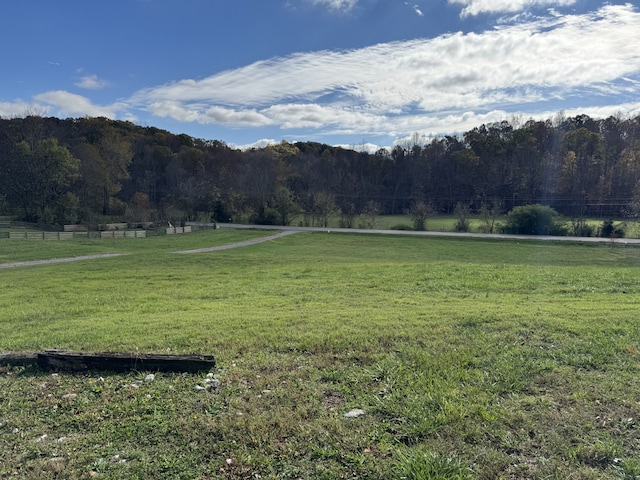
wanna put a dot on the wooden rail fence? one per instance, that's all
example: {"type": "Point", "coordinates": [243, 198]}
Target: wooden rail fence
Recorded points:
{"type": "Point", "coordinates": [115, 230]}
{"type": "Point", "coordinates": [74, 235]}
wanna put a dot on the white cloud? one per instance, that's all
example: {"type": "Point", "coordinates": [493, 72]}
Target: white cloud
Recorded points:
{"type": "Point", "coordinates": [447, 84]}
{"type": "Point", "coordinates": [444, 84]}
{"type": "Point", "coordinates": [72, 105]}
{"type": "Point", "coordinates": [20, 108]}
{"type": "Point", "coordinates": [312, 115]}
{"type": "Point", "coordinates": [336, 5]}
{"type": "Point", "coordinates": [263, 142]}
{"type": "Point", "coordinates": [174, 110]}
{"type": "Point", "coordinates": [362, 147]}
{"type": "Point", "coordinates": [92, 82]}
{"type": "Point", "coordinates": [209, 114]}
{"type": "Point", "coordinates": [245, 117]}
{"type": "Point", "coordinates": [477, 7]}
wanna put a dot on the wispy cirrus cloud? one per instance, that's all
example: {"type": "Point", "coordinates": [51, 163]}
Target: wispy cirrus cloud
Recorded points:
{"type": "Point", "coordinates": [586, 63]}
{"type": "Point", "coordinates": [438, 84]}
{"type": "Point", "coordinates": [477, 7]}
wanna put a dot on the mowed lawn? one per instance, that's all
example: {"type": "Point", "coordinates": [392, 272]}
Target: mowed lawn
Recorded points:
{"type": "Point", "coordinates": [467, 358]}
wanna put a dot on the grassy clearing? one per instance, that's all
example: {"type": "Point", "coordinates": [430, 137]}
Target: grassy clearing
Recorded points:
{"type": "Point", "coordinates": [470, 358]}
{"type": "Point", "coordinates": [446, 223]}
{"type": "Point", "coordinates": [437, 223]}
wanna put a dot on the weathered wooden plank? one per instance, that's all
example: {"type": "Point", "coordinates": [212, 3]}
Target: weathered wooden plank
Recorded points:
{"type": "Point", "coordinates": [108, 361]}
{"type": "Point", "coordinates": [121, 362]}
{"type": "Point", "coordinates": [21, 359]}
{"type": "Point", "coordinates": [75, 228]}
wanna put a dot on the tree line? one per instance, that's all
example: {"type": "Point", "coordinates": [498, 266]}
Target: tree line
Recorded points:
{"type": "Point", "coordinates": [86, 170]}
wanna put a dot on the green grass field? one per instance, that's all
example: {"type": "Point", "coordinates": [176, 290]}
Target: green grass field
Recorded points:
{"type": "Point", "coordinates": [446, 223]}
{"type": "Point", "coordinates": [470, 359]}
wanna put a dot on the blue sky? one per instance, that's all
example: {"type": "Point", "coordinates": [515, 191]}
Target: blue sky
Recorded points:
{"type": "Point", "coordinates": [358, 73]}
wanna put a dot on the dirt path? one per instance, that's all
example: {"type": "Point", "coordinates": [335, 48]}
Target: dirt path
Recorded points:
{"type": "Point", "coordinates": [246, 243]}
{"type": "Point", "coordinates": [239, 244]}
{"type": "Point", "coordinates": [31, 263]}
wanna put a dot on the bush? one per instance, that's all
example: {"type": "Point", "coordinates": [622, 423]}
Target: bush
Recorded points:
{"type": "Point", "coordinates": [173, 215]}
{"type": "Point", "coordinates": [580, 228]}
{"type": "Point", "coordinates": [463, 212]}
{"type": "Point", "coordinates": [609, 230]}
{"type": "Point", "coordinates": [269, 216]}
{"type": "Point", "coordinates": [401, 226]}
{"type": "Point", "coordinates": [419, 214]}
{"type": "Point", "coordinates": [117, 207]}
{"type": "Point", "coordinates": [534, 220]}
{"type": "Point", "coordinates": [462, 225]}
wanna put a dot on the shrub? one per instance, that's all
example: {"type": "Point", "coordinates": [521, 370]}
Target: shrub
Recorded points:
{"type": "Point", "coordinates": [369, 216]}
{"type": "Point", "coordinates": [609, 230]}
{"type": "Point", "coordinates": [419, 214]}
{"type": "Point", "coordinates": [580, 228]}
{"type": "Point", "coordinates": [269, 216]}
{"type": "Point", "coordinates": [534, 220]}
{"type": "Point", "coordinates": [401, 226]}
{"type": "Point", "coordinates": [463, 212]}
{"type": "Point", "coordinates": [117, 207]}
{"type": "Point", "coordinates": [462, 225]}
{"type": "Point", "coordinates": [489, 213]}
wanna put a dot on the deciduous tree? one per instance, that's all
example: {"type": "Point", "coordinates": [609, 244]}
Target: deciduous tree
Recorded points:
{"type": "Point", "coordinates": [41, 178]}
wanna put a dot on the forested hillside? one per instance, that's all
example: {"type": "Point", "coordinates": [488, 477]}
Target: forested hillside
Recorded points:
{"type": "Point", "coordinates": [87, 169]}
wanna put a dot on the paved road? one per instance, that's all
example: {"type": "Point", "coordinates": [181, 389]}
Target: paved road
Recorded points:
{"type": "Point", "coordinates": [626, 241]}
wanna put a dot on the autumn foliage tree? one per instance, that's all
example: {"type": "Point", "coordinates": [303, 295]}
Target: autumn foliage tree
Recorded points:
{"type": "Point", "coordinates": [578, 166]}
